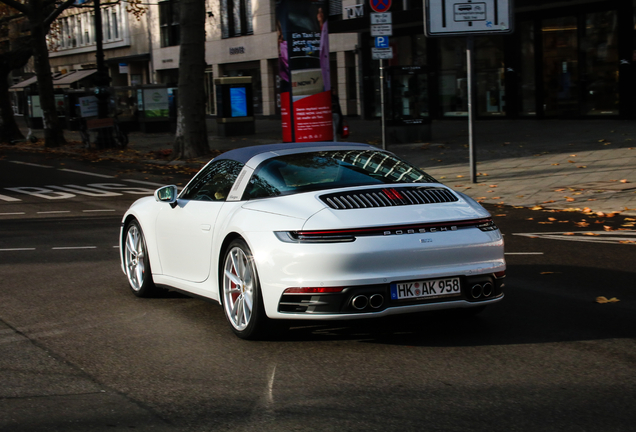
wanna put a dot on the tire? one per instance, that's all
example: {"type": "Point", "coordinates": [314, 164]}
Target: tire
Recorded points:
{"type": "Point", "coordinates": [136, 262]}
{"type": "Point", "coordinates": [241, 296]}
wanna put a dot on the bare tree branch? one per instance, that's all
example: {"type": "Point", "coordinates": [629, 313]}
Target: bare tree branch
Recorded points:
{"type": "Point", "coordinates": [61, 8]}
{"type": "Point", "coordinates": [21, 7]}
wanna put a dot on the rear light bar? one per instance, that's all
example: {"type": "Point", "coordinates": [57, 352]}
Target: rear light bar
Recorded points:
{"type": "Point", "coordinates": [349, 235]}
{"type": "Point", "coordinates": [313, 290]}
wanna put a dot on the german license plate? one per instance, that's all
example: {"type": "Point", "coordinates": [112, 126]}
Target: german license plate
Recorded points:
{"type": "Point", "coordinates": [432, 288]}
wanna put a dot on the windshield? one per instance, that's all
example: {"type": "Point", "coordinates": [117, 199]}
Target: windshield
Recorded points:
{"type": "Point", "coordinates": [290, 174]}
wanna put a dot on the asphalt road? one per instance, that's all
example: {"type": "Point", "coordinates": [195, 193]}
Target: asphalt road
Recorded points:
{"type": "Point", "coordinates": [79, 352]}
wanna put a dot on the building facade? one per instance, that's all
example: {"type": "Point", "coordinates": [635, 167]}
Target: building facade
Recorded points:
{"type": "Point", "coordinates": [565, 59]}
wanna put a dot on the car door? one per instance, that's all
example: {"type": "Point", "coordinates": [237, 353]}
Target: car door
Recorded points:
{"type": "Point", "coordinates": [184, 233]}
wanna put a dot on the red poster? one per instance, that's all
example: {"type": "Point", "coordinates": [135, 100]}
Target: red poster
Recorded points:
{"type": "Point", "coordinates": [285, 115]}
{"type": "Point", "coordinates": [312, 118]}
{"type": "Point", "coordinates": [303, 69]}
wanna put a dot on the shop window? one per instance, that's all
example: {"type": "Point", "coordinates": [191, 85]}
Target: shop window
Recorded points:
{"type": "Point", "coordinates": [527, 88]}
{"type": "Point", "coordinates": [236, 18]}
{"type": "Point", "coordinates": [169, 23]}
{"type": "Point", "coordinates": [453, 83]}
{"type": "Point", "coordinates": [601, 63]}
{"type": "Point", "coordinates": [561, 67]}
{"type": "Point", "coordinates": [489, 76]}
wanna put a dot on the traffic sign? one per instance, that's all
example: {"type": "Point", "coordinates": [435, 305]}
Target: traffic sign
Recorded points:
{"type": "Point", "coordinates": [381, 18]}
{"type": "Point", "coordinates": [380, 5]}
{"type": "Point", "coordinates": [382, 53]}
{"type": "Point", "coordinates": [463, 17]}
{"type": "Point", "coordinates": [382, 30]}
{"type": "Point", "coordinates": [382, 42]}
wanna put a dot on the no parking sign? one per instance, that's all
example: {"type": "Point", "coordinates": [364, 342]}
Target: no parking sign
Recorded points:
{"type": "Point", "coordinates": [380, 5]}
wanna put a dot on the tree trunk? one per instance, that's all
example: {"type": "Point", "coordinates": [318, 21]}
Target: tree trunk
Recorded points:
{"type": "Point", "coordinates": [9, 61]}
{"type": "Point", "coordinates": [191, 139]}
{"type": "Point", "coordinates": [53, 134]}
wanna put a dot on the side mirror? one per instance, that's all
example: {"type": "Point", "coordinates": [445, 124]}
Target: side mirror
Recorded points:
{"type": "Point", "coordinates": [167, 194]}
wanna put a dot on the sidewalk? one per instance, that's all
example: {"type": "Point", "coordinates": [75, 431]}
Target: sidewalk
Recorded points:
{"type": "Point", "coordinates": [575, 165]}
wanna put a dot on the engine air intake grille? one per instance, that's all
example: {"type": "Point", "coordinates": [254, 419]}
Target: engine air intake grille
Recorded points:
{"type": "Point", "coordinates": [388, 197]}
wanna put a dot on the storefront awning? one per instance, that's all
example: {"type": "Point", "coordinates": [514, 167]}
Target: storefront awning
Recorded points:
{"type": "Point", "coordinates": [59, 81]}
{"type": "Point", "coordinates": [23, 84]}
{"type": "Point", "coordinates": [65, 81]}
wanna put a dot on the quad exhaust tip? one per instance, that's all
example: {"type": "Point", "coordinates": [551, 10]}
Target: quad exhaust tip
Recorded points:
{"type": "Point", "coordinates": [479, 290]}
{"type": "Point", "coordinates": [361, 302]}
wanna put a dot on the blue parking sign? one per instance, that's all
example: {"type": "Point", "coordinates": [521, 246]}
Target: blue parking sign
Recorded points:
{"type": "Point", "coordinates": [381, 41]}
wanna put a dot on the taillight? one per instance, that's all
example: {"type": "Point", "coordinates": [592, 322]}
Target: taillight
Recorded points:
{"type": "Point", "coordinates": [313, 290]}
{"type": "Point", "coordinates": [487, 225]}
{"type": "Point", "coordinates": [500, 274]}
{"type": "Point", "coordinates": [314, 237]}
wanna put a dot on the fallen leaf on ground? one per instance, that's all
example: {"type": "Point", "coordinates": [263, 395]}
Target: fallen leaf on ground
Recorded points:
{"type": "Point", "coordinates": [608, 228]}
{"type": "Point", "coordinates": [590, 234]}
{"type": "Point", "coordinates": [603, 300]}
{"type": "Point", "coordinates": [460, 176]}
{"type": "Point", "coordinates": [571, 161]}
{"type": "Point", "coordinates": [519, 196]}
{"type": "Point", "coordinates": [568, 233]}
{"type": "Point", "coordinates": [624, 181]}
{"type": "Point", "coordinates": [555, 164]}
{"type": "Point", "coordinates": [582, 166]}
{"type": "Point", "coordinates": [552, 219]}
{"type": "Point", "coordinates": [569, 199]}
{"type": "Point", "coordinates": [548, 202]}
{"type": "Point", "coordinates": [501, 215]}
{"type": "Point", "coordinates": [537, 207]}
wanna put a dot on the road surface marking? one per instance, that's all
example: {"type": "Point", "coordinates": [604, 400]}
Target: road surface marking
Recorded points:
{"type": "Point", "coordinates": [54, 211]}
{"type": "Point", "coordinates": [95, 211]}
{"type": "Point", "coordinates": [12, 214]}
{"type": "Point", "coordinates": [31, 164]}
{"type": "Point", "coordinates": [74, 247]}
{"type": "Point", "coordinates": [523, 253]}
{"type": "Point", "coordinates": [16, 249]}
{"type": "Point", "coordinates": [608, 237]}
{"type": "Point", "coordinates": [87, 173]}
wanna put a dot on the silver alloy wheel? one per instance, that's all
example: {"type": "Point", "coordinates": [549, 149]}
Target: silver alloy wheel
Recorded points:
{"type": "Point", "coordinates": [239, 285]}
{"type": "Point", "coordinates": [134, 257]}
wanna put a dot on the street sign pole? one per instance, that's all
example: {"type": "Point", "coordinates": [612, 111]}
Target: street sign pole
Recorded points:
{"type": "Point", "coordinates": [382, 103]}
{"type": "Point", "coordinates": [470, 48]}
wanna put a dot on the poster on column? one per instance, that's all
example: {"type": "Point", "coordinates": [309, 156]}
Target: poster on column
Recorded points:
{"type": "Point", "coordinates": [303, 68]}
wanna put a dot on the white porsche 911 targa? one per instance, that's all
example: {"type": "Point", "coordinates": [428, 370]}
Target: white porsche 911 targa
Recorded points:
{"type": "Point", "coordinates": [315, 231]}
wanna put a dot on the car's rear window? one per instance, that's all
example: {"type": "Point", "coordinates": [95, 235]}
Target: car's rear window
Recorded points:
{"type": "Point", "coordinates": [285, 175]}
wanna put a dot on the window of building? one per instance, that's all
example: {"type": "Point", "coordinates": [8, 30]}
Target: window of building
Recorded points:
{"type": "Point", "coordinates": [601, 63]}
{"type": "Point", "coordinates": [169, 23]}
{"type": "Point", "coordinates": [236, 18]}
{"type": "Point", "coordinates": [527, 87]}
{"type": "Point", "coordinates": [79, 30]}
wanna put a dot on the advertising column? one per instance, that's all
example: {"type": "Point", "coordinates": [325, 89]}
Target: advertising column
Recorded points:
{"type": "Point", "coordinates": [303, 65]}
